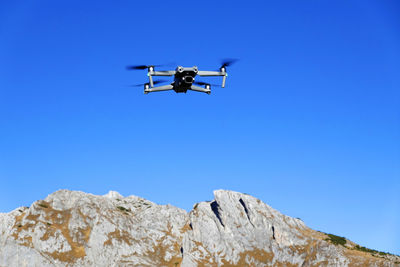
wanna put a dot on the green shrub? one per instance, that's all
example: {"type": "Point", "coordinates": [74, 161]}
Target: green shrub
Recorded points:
{"type": "Point", "coordinates": [336, 240]}
{"type": "Point", "coordinates": [123, 209]}
{"type": "Point", "coordinates": [372, 251]}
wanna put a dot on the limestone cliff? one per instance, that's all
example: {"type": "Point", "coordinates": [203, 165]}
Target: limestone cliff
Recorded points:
{"type": "Point", "coordinates": [71, 228]}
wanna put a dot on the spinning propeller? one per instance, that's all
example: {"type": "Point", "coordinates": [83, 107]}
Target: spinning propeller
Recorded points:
{"type": "Point", "coordinates": [204, 83]}
{"type": "Point", "coordinates": [140, 67]}
{"type": "Point", "coordinates": [228, 62]}
{"type": "Point", "coordinates": [154, 82]}
{"type": "Point", "coordinates": [143, 67]}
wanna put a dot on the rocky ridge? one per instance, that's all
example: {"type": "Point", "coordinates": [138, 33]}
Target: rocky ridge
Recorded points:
{"type": "Point", "coordinates": [70, 228]}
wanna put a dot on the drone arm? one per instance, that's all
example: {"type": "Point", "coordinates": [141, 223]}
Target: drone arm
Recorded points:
{"type": "Point", "coordinates": [162, 73]}
{"type": "Point", "coordinates": [158, 88]}
{"type": "Point", "coordinates": [214, 73]}
{"type": "Point", "coordinates": [210, 73]}
{"type": "Point", "coordinates": [200, 89]}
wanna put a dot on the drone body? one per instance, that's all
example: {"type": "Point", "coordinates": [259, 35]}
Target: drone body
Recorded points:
{"type": "Point", "coordinates": [184, 78]}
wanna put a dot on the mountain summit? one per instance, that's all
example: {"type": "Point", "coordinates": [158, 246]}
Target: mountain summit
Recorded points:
{"type": "Point", "coordinates": [70, 228]}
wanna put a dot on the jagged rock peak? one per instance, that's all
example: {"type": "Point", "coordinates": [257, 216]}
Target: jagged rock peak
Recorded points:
{"type": "Point", "coordinates": [72, 228]}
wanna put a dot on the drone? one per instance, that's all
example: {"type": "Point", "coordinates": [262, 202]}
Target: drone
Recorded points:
{"type": "Point", "coordinates": [184, 78]}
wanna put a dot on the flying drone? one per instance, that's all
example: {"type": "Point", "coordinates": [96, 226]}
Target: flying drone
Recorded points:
{"type": "Point", "coordinates": [184, 78]}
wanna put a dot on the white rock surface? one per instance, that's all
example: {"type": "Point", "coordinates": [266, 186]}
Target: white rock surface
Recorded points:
{"type": "Point", "coordinates": [71, 228]}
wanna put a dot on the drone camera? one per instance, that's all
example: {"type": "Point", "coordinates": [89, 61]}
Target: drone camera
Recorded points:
{"type": "Point", "coordinates": [188, 79]}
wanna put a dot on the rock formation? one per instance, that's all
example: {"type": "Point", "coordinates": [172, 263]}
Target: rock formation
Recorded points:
{"type": "Point", "coordinates": [71, 228]}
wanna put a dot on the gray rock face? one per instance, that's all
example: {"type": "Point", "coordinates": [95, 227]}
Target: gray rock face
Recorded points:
{"type": "Point", "coordinates": [71, 228]}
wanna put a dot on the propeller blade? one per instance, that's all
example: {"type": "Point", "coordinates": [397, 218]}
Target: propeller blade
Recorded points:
{"type": "Point", "coordinates": [137, 67]}
{"type": "Point", "coordinates": [200, 83]}
{"type": "Point", "coordinates": [228, 62]}
{"type": "Point", "coordinates": [159, 81]}
{"type": "Point", "coordinates": [137, 85]}
{"type": "Point", "coordinates": [204, 83]}
{"type": "Point", "coordinates": [143, 67]}
{"type": "Point", "coordinates": [154, 82]}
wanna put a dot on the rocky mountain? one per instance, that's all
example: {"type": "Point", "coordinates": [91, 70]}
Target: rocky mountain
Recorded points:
{"type": "Point", "coordinates": [70, 228]}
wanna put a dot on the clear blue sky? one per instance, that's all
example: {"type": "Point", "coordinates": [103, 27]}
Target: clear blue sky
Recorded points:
{"type": "Point", "coordinates": [309, 121]}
